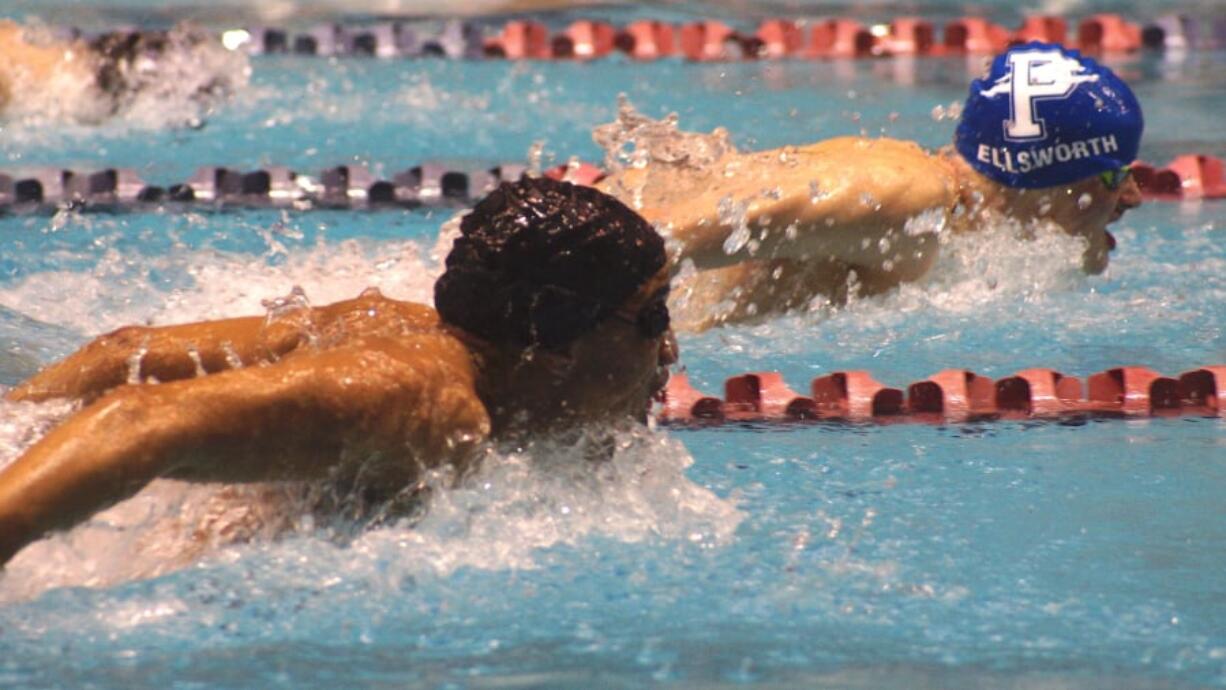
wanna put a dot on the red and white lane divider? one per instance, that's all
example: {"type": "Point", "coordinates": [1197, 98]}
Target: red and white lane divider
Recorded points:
{"type": "Point", "coordinates": [1192, 177]}
{"type": "Point", "coordinates": [952, 395]}
{"type": "Point", "coordinates": [709, 39]}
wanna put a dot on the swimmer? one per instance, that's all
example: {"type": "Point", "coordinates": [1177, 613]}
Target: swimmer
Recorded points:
{"type": "Point", "coordinates": [550, 314]}
{"type": "Point", "coordinates": [89, 81]}
{"type": "Point", "coordinates": [1047, 137]}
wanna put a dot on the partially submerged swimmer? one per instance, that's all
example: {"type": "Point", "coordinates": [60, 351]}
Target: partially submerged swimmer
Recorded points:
{"type": "Point", "coordinates": [551, 314]}
{"type": "Point", "coordinates": [91, 80]}
{"type": "Point", "coordinates": [1046, 137]}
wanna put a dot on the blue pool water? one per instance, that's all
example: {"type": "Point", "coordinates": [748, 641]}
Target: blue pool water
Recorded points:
{"type": "Point", "coordinates": [1079, 554]}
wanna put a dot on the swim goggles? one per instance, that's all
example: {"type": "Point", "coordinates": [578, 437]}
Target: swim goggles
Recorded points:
{"type": "Point", "coordinates": [651, 319]}
{"type": "Point", "coordinates": [1113, 179]}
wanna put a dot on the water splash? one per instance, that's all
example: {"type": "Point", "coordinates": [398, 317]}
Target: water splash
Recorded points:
{"type": "Point", "coordinates": [181, 86]}
{"type": "Point", "coordinates": [119, 289]}
{"type": "Point", "coordinates": [662, 153]}
{"type": "Point", "coordinates": [636, 141]}
{"type": "Point", "coordinates": [626, 484]}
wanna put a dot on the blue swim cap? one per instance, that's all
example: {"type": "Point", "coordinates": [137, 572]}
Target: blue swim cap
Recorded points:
{"type": "Point", "coordinates": [1046, 116]}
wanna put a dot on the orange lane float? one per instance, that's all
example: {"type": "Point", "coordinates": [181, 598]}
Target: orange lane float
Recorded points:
{"type": "Point", "coordinates": [647, 40]}
{"type": "Point", "coordinates": [679, 401]}
{"type": "Point", "coordinates": [1133, 391]}
{"type": "Point", "coordinates": [1205, 388]}
{"type": "Point", "coordinates": [838, 38]}
{"type": "Point", "coordinates": [584, 40]}
{"type": "Point", "coordinates": [906, 36]}
{"type": "Point", "coordinates": [777, 39]}
{"type": "Point", "coordinates": [955, 394]}
{"type": "Point", "coordinates": [1039, 392]}
{"type": "Point", "coordinates": [764, 394]}
{"type": "Point", "coordinates": [1200, 176]}
{"type": "Point", "coordinates": [1157, 183]}
{"type": "Point", "coordinates": [710, 40]}
{"type": "Point", "coordinates": [975, 36]}
{"type": "Point", "coordinates": [576, 173]}
{"type": "Point", "coordinates": [1190, 176]}
{"type": "Point", "coordinates": [854, 395]}
{"type": "Point", "coordinates": [949, 396]}
{"type": "Point", "coordinates": [520, 40]}
{"type": "Point", "coordinates": [1047, 29]}
{"type": "Point", "coordinates": [1108, 33]}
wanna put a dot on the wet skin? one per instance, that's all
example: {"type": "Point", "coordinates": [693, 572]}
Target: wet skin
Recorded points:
{"type": "Point", "coordinates": [371, 386]}
{"type": "Point", "coordinates": [818, 213]}
{"type": "Point", "coordinates": [26, 65]}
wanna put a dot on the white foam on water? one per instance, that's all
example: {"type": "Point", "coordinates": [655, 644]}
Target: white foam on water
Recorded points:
{"type": "Point", "coordinates": [518, 502]}
{"type": "Point", "coordinates": [549, 494]}
{"type": "Point", "coordinates": [182, 86]}
{"type": "Point", "coordinates": [212, 284]}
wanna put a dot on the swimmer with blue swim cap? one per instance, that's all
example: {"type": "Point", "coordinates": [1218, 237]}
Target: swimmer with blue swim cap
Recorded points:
{"type": "Point", "coordinates": [1046, 136]}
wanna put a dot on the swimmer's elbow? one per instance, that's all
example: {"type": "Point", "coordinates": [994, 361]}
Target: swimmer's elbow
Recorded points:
{"type": "Point", "coordinates": [1097, 255]}
{"type": "Point", "coordinates": [1095, 261]}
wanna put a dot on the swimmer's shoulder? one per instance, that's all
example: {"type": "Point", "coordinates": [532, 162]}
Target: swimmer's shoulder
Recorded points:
{"type": "Point", "coordinates": [865, 149]}
{"type": "Point", "coordinates": [405, 330]}
{"type": "Point", "coordinates": [374, 310]}
{"type": "Point", "coordinates": [882, 166]}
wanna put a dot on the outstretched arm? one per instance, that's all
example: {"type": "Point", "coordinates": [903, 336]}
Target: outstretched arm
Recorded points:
{"type": "Point", "coordinates": [394, 405]}
{"type": "Point", "coordinates": [850, 200]}
{"type": "Point", "coordinates": [134, 354]}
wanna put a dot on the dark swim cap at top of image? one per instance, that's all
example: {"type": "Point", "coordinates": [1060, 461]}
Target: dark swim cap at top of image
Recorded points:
{"type": "Point", "coordinates": [1047, 116]}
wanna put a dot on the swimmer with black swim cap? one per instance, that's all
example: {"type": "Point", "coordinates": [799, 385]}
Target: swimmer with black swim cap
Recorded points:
{"type": "Point", "coordinates": [1046, 136]}
{"type": "Point", "coordinates": [551, 314]}
{"type": "Point", "coordinates": [89, 81]}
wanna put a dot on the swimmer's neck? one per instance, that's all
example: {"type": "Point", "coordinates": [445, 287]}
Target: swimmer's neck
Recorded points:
{"type": "Point", "coordinates": [977, 195]}
{"type": "Point", "coordinates": [508, 382]}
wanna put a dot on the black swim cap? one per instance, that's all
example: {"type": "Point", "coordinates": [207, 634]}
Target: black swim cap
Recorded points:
{"type": "Point", "coordinates": [541, 262]}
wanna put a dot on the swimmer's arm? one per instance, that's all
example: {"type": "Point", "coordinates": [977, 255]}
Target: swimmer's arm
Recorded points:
{"type": "Point", "coordinates": [394, 406]}
{"type": "Point", "coordinates": [171, 353]}
{"type": "Point", "coordinates": [1097, 253]}
{"type": "Point", "coordinates": [167, 353]}
{"type": "Point", "coordinates": [836, 200]}
{"type": "Point", "coordinates": [837, 228]}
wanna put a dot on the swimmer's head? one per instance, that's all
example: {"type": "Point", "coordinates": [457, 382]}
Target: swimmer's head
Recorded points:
{"type": "Point", "coordinates": [1046, 116]}
{"type": "Point", "coordinates": [567, 287]}
{"type": "Point", "coordinates": [540, 262]}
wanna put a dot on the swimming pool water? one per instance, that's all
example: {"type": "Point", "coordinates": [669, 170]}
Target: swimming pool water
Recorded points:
{"type": "Point", "coordinates": [1079, 554]}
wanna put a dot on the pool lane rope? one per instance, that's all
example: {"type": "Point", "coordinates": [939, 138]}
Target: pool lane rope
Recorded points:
{"type": "Point", "coordinates": [712, 40]}
{"type": "Point", "coordinates": [704, 40]}
{"type": "Point", "coordinates": [354, 187]}
{"type": "Point", "coordinates": [949, 396]}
